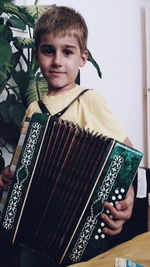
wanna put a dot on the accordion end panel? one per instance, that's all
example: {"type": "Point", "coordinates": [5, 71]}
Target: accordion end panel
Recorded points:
{"type": "Point", "coordinates": [113, 185]}
{"type": "Point", "coordinates": [27, 149]}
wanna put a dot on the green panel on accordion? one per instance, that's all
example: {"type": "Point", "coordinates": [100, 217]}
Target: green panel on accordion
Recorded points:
{"type": "Point", "coordinates": [63, 176]}
{"type": "Point", "coordinates": [21, 179]}
{"type": "Point", "coordinates": [113, 185]}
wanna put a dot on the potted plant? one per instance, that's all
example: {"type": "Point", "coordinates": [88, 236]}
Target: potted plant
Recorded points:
{"type": "Point", "coordinates": [20, 79]}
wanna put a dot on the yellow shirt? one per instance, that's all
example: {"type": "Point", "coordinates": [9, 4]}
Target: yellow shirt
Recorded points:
{"type": "Point", "coordinates": [89, 111]}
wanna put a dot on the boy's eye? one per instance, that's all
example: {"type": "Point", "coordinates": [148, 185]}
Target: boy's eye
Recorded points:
{"type": "Point", "coordinates": [48, 50]}
{"type": "Point", "coordinates": [68, 52]}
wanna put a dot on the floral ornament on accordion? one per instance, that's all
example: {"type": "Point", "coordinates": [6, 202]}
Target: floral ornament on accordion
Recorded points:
{"type": "Point", "coordinates": [91, 221]}
{"type": "Point", "coordinates": [21, 172]}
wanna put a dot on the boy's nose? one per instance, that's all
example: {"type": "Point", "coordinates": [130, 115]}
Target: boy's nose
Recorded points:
{"type": "Point", "coordinates": [57, 59]}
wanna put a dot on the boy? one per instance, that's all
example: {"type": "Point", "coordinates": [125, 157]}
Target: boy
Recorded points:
{"type": "Point", "coordinates": [61, 49]}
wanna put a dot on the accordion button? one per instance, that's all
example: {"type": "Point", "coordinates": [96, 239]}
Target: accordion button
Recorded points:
{"type": "Point", "coordinates": [99, 230]}
{"type": "Point", "coordinates": [122, 190]}
{"type": "Point", "coordinates": [96, 237]}
{"type": "Point", "coordinates": [102, 236]}
{"type": "Point", "coordinates": [119, 196]}
{"type": "Point", "coordinates": [102, 224]}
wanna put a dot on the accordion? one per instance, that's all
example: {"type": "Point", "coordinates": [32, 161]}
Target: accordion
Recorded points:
{"type": "Point", "coordinates": [63, 176]}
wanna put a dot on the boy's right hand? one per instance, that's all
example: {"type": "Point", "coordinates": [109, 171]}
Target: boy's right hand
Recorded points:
{"type": "Point", "coordinates": [5, 178]}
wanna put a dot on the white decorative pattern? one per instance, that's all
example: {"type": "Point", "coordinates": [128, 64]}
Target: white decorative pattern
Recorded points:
{"type": "Point", "coordinates": [91, 221]}
{"type": "Point", "coordinates": [22, 171]}
{"type": "Point", "coordinates": [82, 241]}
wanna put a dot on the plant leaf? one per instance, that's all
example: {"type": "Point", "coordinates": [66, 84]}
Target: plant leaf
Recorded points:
{"type": "Point", "coordinates": [7, 69]}
{"type": "Point", "coordinates": [37, 87]}
{"type": "Point", "coordinates": [11, 114]}
{"type": "Point", "coordinates": [78, 78]}
{"type": "Point", "coordinates": [9, 132]}
{"type": "Point", "coordinates": [22, 42]}
{"type": "Point", "coordinates": [18, 77]}
{"type": "Point", "coordinates": [36, 11]}
{"type": "Point", "coordinates": [92, 60]}
{"type": "Point", "coordinates": [30, 20]}
{"type": "Point", "coordinates": [11, 110]}
{"type": "Point", "coordinates": [5, 32]}
{"type": "Point", "coordinates": [16, 113]}
{"type": "Point", "coordinates": [10, 8]}
{"type": "Point", "coordinates": [4, 106]}
{"type": "Point", "coordinates": [3, 81]}
{"type": "Point", "coordinates": [1, 4]}
{"type": "Point", "coordinates": [17, 23]}
{"type": "Point", "coordinates": [11, 99]}
{"type": "Point", "coordinates": [34, 68]}
{"type": "Point", "coordinates": [6, 52]}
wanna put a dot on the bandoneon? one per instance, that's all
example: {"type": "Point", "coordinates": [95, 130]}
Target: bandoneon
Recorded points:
{"type": "Point", "coordinates": [63, 176]}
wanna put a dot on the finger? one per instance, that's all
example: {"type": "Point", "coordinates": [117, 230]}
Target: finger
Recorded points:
{"type": "Point", "coordinates": [3, 186]}
{"type": "Point", "coordinates": [124, 204]}
{"type": "Point", "coordinates": [119, 215]}
{"type": "Point", "coordinates": [5, 180]}
{"type": "Point", "coordinates": [111, 232]}
{"type": "Point", "coordinates": [113, 224]}
{"type": "Point", "coordinates": [128, 201]}
{"type": "Point", "coordinates": [114, 227]}
{"type": "Point", "coordinates": [6, 173]}
{"type": "Point", "coordinates": [123, 210]}
{"type": "Point", "coordinates": [6, 176]}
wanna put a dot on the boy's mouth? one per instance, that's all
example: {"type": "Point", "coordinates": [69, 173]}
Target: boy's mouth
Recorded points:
{"type": "Point", "coordinates": [56, 73]}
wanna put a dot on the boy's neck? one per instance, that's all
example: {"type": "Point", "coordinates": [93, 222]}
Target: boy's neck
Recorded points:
{"type": "Point", "coordinates": [58, 91]}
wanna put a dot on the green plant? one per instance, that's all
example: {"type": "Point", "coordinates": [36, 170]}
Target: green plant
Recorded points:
{"type": "Point", "coordinates": [20, 79]}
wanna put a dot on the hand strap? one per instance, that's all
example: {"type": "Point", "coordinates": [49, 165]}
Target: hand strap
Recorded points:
{"type": "Point", "coordinates": [60, 113]}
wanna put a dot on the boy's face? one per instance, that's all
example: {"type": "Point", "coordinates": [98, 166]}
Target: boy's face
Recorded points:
{"type": "Point", "coordinates": [59, 58]}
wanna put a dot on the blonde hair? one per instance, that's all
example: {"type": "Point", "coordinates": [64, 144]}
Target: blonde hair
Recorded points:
{"type": "Point", "coordinates": [62, 20]}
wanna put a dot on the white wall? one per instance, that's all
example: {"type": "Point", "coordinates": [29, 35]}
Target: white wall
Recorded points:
{"type": "Point", "coordinates": [117, 42]}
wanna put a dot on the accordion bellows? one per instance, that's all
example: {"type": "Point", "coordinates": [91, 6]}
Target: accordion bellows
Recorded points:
{"type": "Point", "coordinates": [63, 176]}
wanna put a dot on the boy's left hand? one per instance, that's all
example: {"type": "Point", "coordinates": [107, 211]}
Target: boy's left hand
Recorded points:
{"type": "Point", "coordinates": [121, 213]}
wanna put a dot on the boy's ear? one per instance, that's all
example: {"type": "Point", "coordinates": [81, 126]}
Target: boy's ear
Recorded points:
{"type": "Point", "coordinates": [84, 57]}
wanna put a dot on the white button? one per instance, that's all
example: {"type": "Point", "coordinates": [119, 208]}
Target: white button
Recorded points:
{"type": "Point", "coordinates": [116, 191]}
{"type": "Point", "coordinates": [96, 237]}
{"type": "Point", "coordinates": [122, 190]}
{"type": "Point", "coordinates": [113, 198]}
{"type": "Point", "coordinates": [120, 196]}
{"type": "Point", "coordinates": [102, 236]}
{"type": "Point", "coordinates": [102, 224]}
{"type": "Point", "coordinates": [99, 230]}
